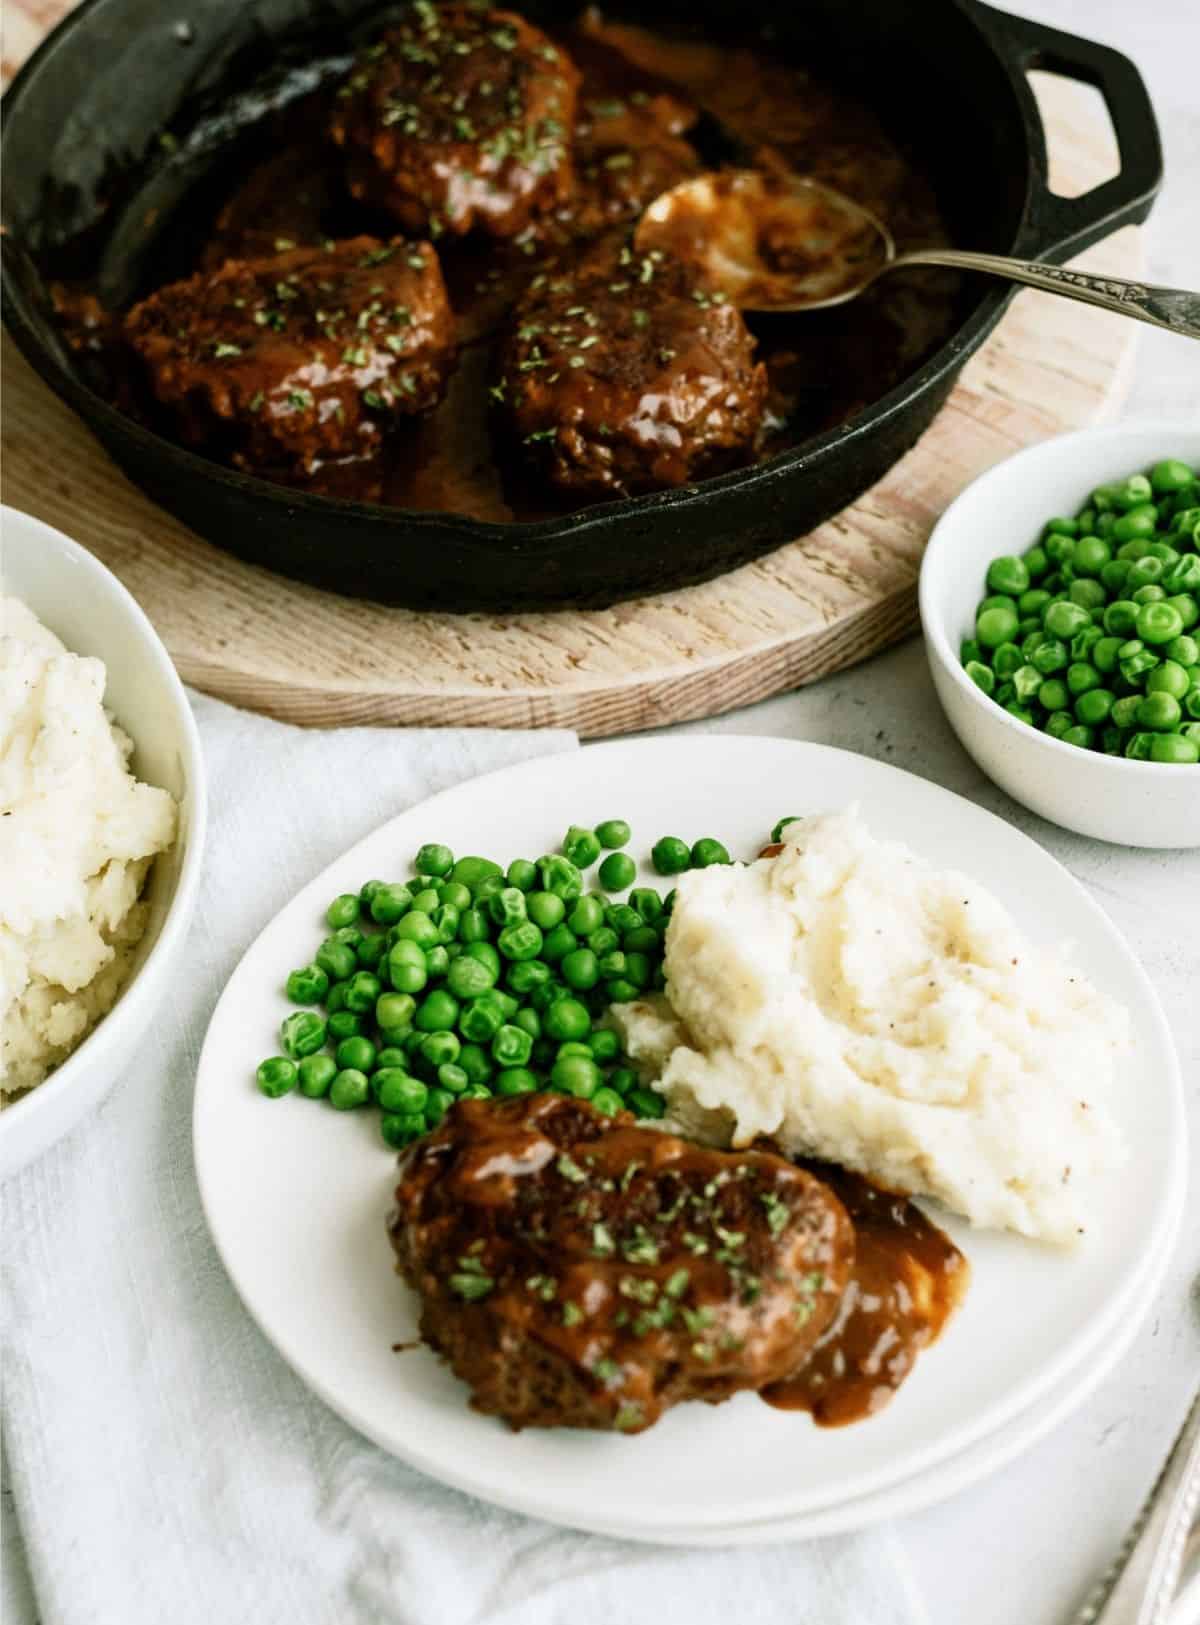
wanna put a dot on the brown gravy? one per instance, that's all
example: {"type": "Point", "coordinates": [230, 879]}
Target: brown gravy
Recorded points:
{"type": "Point", "coordinates": [823, 367]}
{"type": "Point", "coordinates": [907, 1279]}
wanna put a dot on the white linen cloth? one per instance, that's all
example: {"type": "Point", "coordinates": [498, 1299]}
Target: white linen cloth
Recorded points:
{"type": "Point", "coordinates": [166, 1466]}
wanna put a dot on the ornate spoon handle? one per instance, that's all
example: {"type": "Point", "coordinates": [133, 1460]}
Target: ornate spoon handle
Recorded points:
{"type": "Point", "coordinates": [1140, 1586]}
{"type": "Point", "coordinates": [1176, 309]}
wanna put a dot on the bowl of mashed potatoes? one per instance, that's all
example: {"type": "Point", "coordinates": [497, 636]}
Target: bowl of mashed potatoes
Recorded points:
{"type": "Point", "coordinates": [102, 814]}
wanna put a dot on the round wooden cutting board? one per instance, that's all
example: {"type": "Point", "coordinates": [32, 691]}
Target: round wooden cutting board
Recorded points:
{"type": "Point", "coordinates": [810, 608]}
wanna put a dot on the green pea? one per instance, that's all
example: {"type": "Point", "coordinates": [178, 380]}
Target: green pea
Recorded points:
{"type": "Point", "coordinates": [1022, 714]}
{"type": "Point", "coordinates": [371, 950]}
{"type": "Point", "coordinates": [1138, 747]}
{"type": "Point", "coordinates": [342, 911]}
{"type": "Point", "coordinates": [992, 628]}
{"type": "Point", "coordinates": [390, 903]}
{"type": "Point", "coordinates": [349, 1090]}
{"type": "Point", "coordinates": [1187, 608]}
{"type": "Point", "coordinates": [1170, 475]}
{"type": "Point", "coordinates": [1138, 524]}
{"type": "Point", "coordinates": [577, 1075]}
{"type": "Point", "coordinates": [612, 833]}
{"type": "Point", "coordinates": [1082, 676]}
{"type": "Point", "coordinates": [1158, 623]}
{"type": "Point", "coordinates": [453, 1078]}
{"type": "Point", "coordinates": [314, 1074]}
{"type": "Point", "coordinates": [1174, 750]}
{"type": "Point", "coordinates": [622, 1079]}
{"type": "Point", "coordinates": [435, 859]}
{"type": "Point", "coordinates": [1184, 649]}
{"type": "Point", "coordinates": [467, 977]}
{"type": "Point", "coordinates": [1092, 553]}
{"type": "Point", "coordinates": [520, 941]}
{"type": "Point", "coordinates": [1183, 575]}
{"type": "Point", "coordinates": [1059, 547]}
{"type": "Point", "coordinates": [440, 1048]}
{"type": "Point", "coordinates": [350, 936]}
{"type": "Point", "coordinates": [545, 909]}
{"type": "Point", "coordinates": [646, 1103]}
{"type": "Point", "coordinates": [1080, 735]}
{"type": "Point", "coordinates": [1132, 492]}
{"type": "Point", "coordinates": [436, 1107]}
{"type": "Point", "coordinates": [401, 1128]}
{"type": "Point", "coordinates": [362, 990]}
{"type": "Point", "coordinates": [1135, 660]}
{"type": "Point", "coordinates": [968, 649]}
{"type": "Point", "coordinates": [671, 856]}
{"type": "Point", "coordinates": [1114, 575]}
{"type": "Point", "coordinates": [1160, 712]}
{"type": "Point", "coordinates": [982, 676]}
{"type": "Point", "coordinates": [579, 969]}
{"type": "Point", "coordinates": [472, 872]}
{"type": "Point", "coordinates": [302, 1033]}
{"type": "Point", "coordinates": [1026, 682]}
{"type": "Point", "coordinates": [367, 893]}
{"type": "Point", "coordinates": [336, 960]}
{"type": "Point", "coordinates": [357, 1053]}
{"type": "Point", "coordinates": [407, 967]}
{"type": "Point", "coordinates": [277, 1076]}
{"type": "Point", "coordinates": [581, 847]}
{"type": "Point", "coordinates": [417, 927]}
{"type": "Point", "coordinates": [487, 955]}
{"type": "Point", "coordinates": [1058, 723]}
{"type": "Point", "coordinates": [526, 974]}
{"type": "Point", "coordinates": [622, 991]}
{"type": "Point", "coordinates": [1120, 618]}
{"type": "Point", "coordinates": [480, 1020]}
{"type": "Point", "coordinates": [1063, 619]}
{"type": "Point", "coordinates": [1051, 657]}
{"type": "Point", "coordinates": [1086, 593]}
{"type": "Point", "coordinates": [426, 900]}
{"type": "Point", "coordinates": [1104, 654]}
{"type": "Point", "coordinates": [1054, 694]}
{"type": "Point", "coordinates": [398, 1091]}
{"type": "Point", "coordinates": [557, 944]}
{"type": "Point", "coordinates": [472, 926]}
{"type": "Point", "coordinates": [608, 1101]}
{"type": "Point", "coordinates": [475, 1062]}
{"type": "Point", "coordinates": [604, 1044]}
{"type": "Point", "coordinates": [522, 874]}
{"type": "Point", "coordinates": [437, 1012]}
{"type": "Point", "coordinates": [586, 916]}
{"type": "Point", "coordinates": [307, 986]}
{"type": "Point", "coordinates": [528, 1020]}
{"type": "Point", "coordinates": [507, 907]}
{"type": "Point", "coordinates": [1124, 711]}
{"type": "Point", "coordinates": [707, 852]}
{"type": "Point", "coordinates": [1147, 572]}
{"type": "Point", "coordinates": [1006, 659]}
{"type": "Point", "coordinates": [512, 1046]}
{"type": "Point", "coordinates": [566, 1019]}
{"type": "Point", "coordinates": [344, 1024]}
{"type": "Point", "coordinates": [616, 872]}
{"type": "Point", "coordinates": [1169, 678]}
{"type": "Point", "coordinates": [1094, 706]}
{"type": "Point", "coordinates": [1008, 574]}
{"type": "Point", "coordinates": [516, 1080]}
{"type": "Point", "coordinates": [561, 877]}
{"type": "Point", "coordinates": [392, 1054]}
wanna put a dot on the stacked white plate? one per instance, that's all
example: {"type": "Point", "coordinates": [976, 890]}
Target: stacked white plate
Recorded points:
{"type": "Point", "coordinates": [1039, 1328]}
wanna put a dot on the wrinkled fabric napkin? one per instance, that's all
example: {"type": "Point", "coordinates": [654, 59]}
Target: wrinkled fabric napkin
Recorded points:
{"type": "Point", "coordinates": [166, 1466]}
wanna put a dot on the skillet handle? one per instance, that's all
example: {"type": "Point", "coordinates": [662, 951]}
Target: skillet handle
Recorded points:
{"type": "Point", "coordinates": [1059, 227]}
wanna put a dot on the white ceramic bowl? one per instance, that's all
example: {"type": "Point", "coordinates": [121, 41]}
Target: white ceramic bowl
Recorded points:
{"type": "Point", "coordinates": [87, 607]}
{"type": "Point", "coordinates": [1108, 797]}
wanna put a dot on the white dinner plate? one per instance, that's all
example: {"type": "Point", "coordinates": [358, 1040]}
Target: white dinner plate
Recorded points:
{"type": "Point", "coordinates": [296, 1194]}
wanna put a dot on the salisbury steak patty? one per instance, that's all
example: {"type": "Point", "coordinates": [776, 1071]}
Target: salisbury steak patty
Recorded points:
{"type": "Point", "coordinates": [460, 117]}
{"type": "Point", "coordinates": [301, 358]}
{"type": "Point", "coordinates": [623, 373]}
{"type": "Point", "coordinates": [578, 1271]}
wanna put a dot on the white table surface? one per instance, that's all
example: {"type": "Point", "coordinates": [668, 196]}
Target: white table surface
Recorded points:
{"type": "Point", "coordinates": [1023, 1547]}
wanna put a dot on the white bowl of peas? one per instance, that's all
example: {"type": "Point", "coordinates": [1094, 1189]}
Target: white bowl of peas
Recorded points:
{"type": "Point", "coordinates": [1060, 600]}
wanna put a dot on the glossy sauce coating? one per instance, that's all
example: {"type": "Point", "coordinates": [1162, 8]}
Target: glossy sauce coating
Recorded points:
{"type": "Point", "coordinates": [321, 173]}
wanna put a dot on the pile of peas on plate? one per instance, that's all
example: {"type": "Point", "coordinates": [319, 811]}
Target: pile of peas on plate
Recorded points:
{"type": "Point", "coordinates": [469, 980]}
{"type": "Point", "coordinates": [1091, 633]}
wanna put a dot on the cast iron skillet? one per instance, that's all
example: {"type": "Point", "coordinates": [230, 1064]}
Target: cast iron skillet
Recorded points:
{"type": "Point", "coordinates": [88, 112]}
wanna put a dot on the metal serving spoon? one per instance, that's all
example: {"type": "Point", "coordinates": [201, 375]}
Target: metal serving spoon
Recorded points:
{"type": "Point", "coordinates": [774, 241]}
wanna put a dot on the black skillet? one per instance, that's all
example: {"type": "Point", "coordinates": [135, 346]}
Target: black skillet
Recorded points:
{"type": "Point", "coordinates": [88, 112]}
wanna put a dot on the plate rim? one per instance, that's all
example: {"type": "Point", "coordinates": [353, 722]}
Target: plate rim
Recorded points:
{"type": "Point", "coordinates": [517, 1497]}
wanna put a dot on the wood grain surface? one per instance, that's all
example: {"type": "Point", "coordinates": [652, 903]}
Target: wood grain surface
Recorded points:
{"type": "Point", "coordinates": [812, 607]}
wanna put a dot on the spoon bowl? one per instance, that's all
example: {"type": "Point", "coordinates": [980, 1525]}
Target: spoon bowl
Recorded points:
{"type": "Point", "coordinates": [771, 240]}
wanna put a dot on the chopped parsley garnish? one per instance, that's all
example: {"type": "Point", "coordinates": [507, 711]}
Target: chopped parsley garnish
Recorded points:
{"type": "Point", "coordinates": [299, 399]}
{"type": "Point", "coordinates": [696, 1319]}
{"type": "Point", "coordinates": [356, 358]}
{"type": "Point", "coordinates": [602, 1241]}
{"type": "Point", "coordinates": [372, 398]}
{"type": "Point", "coordinates": [221, 349]}
{"type": "Point", "coordinates": [256, 401]}
{"type": "Point", "coordinates": [642, 1249]}
{"type": "Point", "coordinates": [471, 1281]}
{"type": "Point", "coordinates": [638, 1287]}
{"type": "Point", "coordinates": [777, 1212]}
{"type": "Point", "coordinates": [572, 1314]}
{"type": "Point", "coordinates": [629, 1416]}
{"type": "Point", "coordinates": [607, 1370]}
{"type": "Point", "coordinates": [542, 1286]}
{"type": "Point", "coordinates": [677, 1284]}
{"type": "Point", "coordinates": [566, 1164]}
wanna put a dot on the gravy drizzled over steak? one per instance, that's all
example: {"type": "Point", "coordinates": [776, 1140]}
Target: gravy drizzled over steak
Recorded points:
{"type": "Point", "coordinates": [576, 1270]}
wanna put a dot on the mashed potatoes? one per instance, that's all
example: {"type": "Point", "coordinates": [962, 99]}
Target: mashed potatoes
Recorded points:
{"type": "Point", "coordinates": [867, 1008]}
{"type": "Point", "coordinates": [77, 834]}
